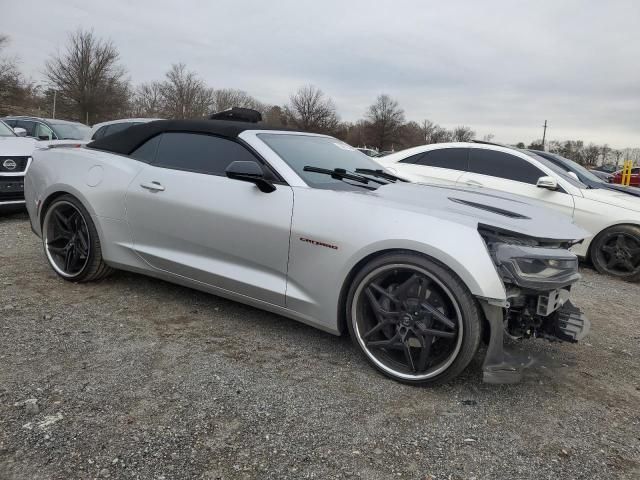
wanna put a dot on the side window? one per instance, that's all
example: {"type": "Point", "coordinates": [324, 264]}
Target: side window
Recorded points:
{"type": "Point", "coordinates": [452, 158]}
{"type": "Point", "coordinates": [11, 123]}
{"type": "Point", "coordinates": [635, 171]}
{"type": "Point", "coordinates": [503, 165]}
{"type": "Point", "coordinates": [28, 126]}
{"type": "Point", "coordinates": [43, 132]}
{"type": "Point", "coordinates": [199, 153]}
{"type": "Point", "coordinates": [99, 133]}
{"type": "Point", "coordinates": [413, 159]}
{"type": "Point", "coordinates": [147, 151]}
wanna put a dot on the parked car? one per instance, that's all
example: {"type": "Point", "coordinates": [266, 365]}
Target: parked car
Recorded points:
{"type": "Point", "coordinates": [590, 178]}
{"type": "Point", "coordinates": [49, 129]}
{"type": "Point", "coordinates": [612, 217]}
{"type": "Point", "coordinates": [635, 177]}
{"type": "Point", "coordinates": [103, 129]}
{"type": "Point", "coordinates": [414, 273]}
{"type": "Point", "coordinates": [15, 157]}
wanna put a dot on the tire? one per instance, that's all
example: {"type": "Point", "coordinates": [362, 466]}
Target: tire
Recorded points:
{"type": "Point", "coordinates": [71, 243]}
{"type": "Point", "coordinates": [616, 252]}
{"type": "Point", "coordinates": [426, 316]}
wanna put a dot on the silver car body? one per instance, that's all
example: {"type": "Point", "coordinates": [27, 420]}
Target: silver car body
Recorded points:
{"type": "Point", "coordinates": [290, 251]}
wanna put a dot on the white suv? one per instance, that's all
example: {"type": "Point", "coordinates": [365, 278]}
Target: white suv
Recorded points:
{"type": "Point", "coordinates": [613, 218]}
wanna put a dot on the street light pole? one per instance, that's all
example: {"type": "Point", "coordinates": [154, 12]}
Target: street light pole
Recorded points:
{"type": "Point", "coordinates": [53, 114]}
{"type": "Point", "coordinates": [544, 135]}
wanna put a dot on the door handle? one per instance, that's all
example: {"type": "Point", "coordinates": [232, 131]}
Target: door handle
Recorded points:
{"type": "Point", "coordinates": [153, 186]}
{"type": "Point", "coordinates": [474, 183]}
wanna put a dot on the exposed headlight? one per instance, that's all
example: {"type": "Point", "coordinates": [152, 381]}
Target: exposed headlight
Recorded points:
{"type": "Point", "coordinates": [538, 268]}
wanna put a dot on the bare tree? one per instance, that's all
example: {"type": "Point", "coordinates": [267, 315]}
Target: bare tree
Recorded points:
{"type": "Point", "coordinates": [385, 119]}
{"type": "Point", "coordinates": [434, 133]}
{"type": "Point", "coordinates": [147, 100]}
{"type": "Point", "coordinates": [88, 77]}
{"type": "Point", "coordinates": [229, 97]}
{"type": "Point", "coordinates": [185, 95]}
{"type": "Point", "coordinates": [462, 134]}
{"type": "Point", "coordinates": [590, 155]}
{"type": "Point", "coordinates": [311, 110]}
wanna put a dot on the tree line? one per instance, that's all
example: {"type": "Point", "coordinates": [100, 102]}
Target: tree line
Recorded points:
{"type": "Point", "coordinates": [91, 85]}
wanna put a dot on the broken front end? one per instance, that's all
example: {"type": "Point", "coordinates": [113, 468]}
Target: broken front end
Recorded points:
{"type": "Point", "coordinates": [537, 275]}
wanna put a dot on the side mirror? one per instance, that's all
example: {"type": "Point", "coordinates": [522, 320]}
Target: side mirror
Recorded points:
{"type": "Point", "coordinates": [573, 175]}
{"type": "Point", "coordinates": [44, 137]}
{"type": "Point", "coordinates": [549, 183]}
{"type": "Point", "coordinates": [21, 132]}
{"type": "Point", "coordinates": [248, 171]}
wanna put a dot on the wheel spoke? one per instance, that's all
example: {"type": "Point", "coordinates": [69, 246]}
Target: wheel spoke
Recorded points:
{"type": "Point", "coordinates": [384, 343]}
{"type": "Point", "coordinates": [425, 350]}
{"type": "Point", "coordinates": [407, 355]}
{"type": "Point", "coordinates": [381, 290]}
{"type": "Point", "coordinates": [403, 290]}
{"type": "Point", "coordinates": [620, 242]}
{"type": "Point", "coordinates": [57, 250]}
{"type": "Point", "coordinates": [438, 315]}
{"type": "Point", "coordinates": [67, 260]}
{"type": "Point", "coordinates": [628, 264]}
{"type": "Point", "coordinates": [438, 333]}
{"type": "Point", "coordinates": [613, 261]}
{"type": "Point", "coordinates": [609, 249]}
{"type": "Point", "coordinates": [62, 222]}
{"type": "Point", "coordinates": [377, 328]}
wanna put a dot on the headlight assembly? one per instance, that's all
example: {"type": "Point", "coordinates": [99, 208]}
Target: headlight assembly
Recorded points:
{"type": "Point", "coordinates": [537, 268]}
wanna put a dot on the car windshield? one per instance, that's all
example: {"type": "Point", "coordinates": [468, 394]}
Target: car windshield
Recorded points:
{"type": "Point", "coordinates": [575, 167]}
{"type": "Point", "coordinates": [6, 130]}
{"type": "Point", "coordinates": [320, 152]}
{"type": "Point", "coordinates": [561, 172]}
{"type": "Point", "coordinates": [70, 131]}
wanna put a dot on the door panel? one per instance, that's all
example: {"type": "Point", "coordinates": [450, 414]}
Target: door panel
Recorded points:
{"type": "Point", "coordinates": [558, 200]}
{"type": "Point", "coordinates": [209, 228]}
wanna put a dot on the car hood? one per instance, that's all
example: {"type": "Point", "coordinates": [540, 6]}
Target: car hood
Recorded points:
{"type": "Point", "coordinates": [17, 146]}
{"type": "Point", "coordinates": [490, 207]}
{"type": "Point", "coordinates": [621, 188]}
{"type": "Point", "coordinates": [613, 197]}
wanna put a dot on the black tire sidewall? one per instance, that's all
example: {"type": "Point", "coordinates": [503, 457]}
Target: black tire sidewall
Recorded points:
{"type": "Point", "coordinates": [469, 309]}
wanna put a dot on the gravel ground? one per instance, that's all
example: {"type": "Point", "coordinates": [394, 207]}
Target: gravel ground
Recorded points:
{"type": "Point", "coordinates": [137, 378]}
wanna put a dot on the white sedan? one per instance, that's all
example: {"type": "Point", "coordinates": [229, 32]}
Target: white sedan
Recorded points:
{"type": "Point", "coordinates": [613, 218]}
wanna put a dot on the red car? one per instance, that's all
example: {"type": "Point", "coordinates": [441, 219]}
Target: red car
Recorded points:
{"type": "Point", "coordinates": [635, 177]}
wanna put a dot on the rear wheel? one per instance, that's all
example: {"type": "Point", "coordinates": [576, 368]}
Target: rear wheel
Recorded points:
{"type": "Point", "coordinates": [71, 241]}
{"type": "Point", "coordinates": [616, 252]}
{"type": "Point", "coordinates": [413, 319]}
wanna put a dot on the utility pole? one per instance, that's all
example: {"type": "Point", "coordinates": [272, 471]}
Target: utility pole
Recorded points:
{"type": "Point", "coordinates": [53, 114]}
{"type": "Point", "coordinates": [544, 135]}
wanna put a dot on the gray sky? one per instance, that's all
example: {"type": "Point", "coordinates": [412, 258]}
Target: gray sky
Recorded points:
{"type": "Point", "coordinates": [501, 67]}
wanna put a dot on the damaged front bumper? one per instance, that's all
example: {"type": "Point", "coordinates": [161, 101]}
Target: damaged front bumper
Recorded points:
{"type": "Point", "coordinates": [566, 324]}
{"type": "Point", "coordinates": [538, 276]}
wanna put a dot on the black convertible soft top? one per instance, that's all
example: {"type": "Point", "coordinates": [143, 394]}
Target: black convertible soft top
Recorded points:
{"type": "Point", "coordinates": [128, 140]}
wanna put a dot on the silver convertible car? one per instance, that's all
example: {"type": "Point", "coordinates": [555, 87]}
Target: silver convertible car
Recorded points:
{"type": "Point", "coordinates": [308, 227]}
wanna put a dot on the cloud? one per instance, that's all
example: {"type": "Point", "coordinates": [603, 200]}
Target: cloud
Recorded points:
{"type": "Point", "coordinates": [501, 67]}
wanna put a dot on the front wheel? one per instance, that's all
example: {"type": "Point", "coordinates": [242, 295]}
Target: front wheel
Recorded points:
{"type": "Point", "coordinates": [71, 241]}
{"type": "Point", "coordinates": [616, 252]}
{"type": "Point", "coordinates": [413, 319]}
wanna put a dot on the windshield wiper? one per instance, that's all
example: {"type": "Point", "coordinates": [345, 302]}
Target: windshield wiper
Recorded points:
{"type": "Point", "coordinates": [380, 173]}
{"type": "Point", "coordinates": [342, 174]}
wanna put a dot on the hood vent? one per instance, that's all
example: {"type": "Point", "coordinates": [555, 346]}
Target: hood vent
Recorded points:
{"type": "Point", "coordinates": [489, 208]}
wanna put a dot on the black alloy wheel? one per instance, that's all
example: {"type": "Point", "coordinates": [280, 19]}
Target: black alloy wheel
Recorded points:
{"type": "Point", "coordinates": [616, 252]}
{"type": "Point", "coordinates": [413, 319]}
{"type": "Point", "coordinates": [71, 241]}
